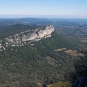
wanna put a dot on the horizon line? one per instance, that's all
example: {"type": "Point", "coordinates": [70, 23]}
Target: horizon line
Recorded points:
{"type": "Point", "coordinates": [44, 16]}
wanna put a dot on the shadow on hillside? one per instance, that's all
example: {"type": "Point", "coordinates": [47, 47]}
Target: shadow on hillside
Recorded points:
{"type": "Point", "coordinates": [79, 77]}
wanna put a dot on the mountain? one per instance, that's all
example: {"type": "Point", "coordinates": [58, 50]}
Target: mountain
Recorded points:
{"type": "Point", "coordinates": [6, 31]}
{"type": "Point", "coordinates": [27, 21]}
{"type": "Point", "coordinates": [36, 63]}
{"type": "Point", "coordinates": [27, 37]}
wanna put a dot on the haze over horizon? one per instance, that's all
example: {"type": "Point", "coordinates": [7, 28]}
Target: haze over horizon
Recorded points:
{"type": "Point", "coordinates": [43, 8]}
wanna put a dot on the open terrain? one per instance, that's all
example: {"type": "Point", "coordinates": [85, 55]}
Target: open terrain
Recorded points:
{"type": "Point", "coordinates": [61, 84]}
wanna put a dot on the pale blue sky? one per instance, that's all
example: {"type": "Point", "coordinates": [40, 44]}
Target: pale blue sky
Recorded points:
{"type": "Point", "coordinates": [60, 8]}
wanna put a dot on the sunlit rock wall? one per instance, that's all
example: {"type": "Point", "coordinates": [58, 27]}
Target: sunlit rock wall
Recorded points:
{"type": "Point", "coordinates": [30, 35]}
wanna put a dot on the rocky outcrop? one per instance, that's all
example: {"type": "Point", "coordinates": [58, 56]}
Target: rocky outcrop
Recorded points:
{"type": "Point", "coordinates": [27, 37]}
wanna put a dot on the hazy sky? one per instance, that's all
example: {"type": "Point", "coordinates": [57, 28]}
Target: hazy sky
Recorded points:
{"type": "Point", "coordinates": [60, 8]}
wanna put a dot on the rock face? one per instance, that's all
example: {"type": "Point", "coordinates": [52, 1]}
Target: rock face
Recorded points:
{"type": "Point", "coordinates": [27, 37]}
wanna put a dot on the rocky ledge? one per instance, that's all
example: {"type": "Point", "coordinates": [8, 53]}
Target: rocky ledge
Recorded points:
{"type": "Point", "coordinates": [26, 37]}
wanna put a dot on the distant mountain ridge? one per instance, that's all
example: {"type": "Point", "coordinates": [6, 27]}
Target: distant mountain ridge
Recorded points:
{"type": "Point", "coordinates": [28, 21]}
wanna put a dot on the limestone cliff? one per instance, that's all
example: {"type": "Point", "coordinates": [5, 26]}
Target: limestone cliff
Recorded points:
{"type": "Point", "coordinates": [27, 37]}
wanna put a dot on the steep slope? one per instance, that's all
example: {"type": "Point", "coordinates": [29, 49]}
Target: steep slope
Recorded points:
{"type": "Point", "coordinates": [26, 37]}
{"type": "Point", "coordinates": [10, 30]}
{"type": "Point", "coordinates": [41, 60]}
{"type": "Point", "coordinates": [37, 63]}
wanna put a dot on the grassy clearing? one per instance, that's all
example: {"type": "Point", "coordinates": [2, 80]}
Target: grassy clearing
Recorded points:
{"type": "Point", "coordinates": [73, 53]}
{"type": "Point", "coordinates": [62, 49]}
{"type": "Point", "coordinates": [60, 84]}
{"type": "Point", "coordinates": [70, 52]}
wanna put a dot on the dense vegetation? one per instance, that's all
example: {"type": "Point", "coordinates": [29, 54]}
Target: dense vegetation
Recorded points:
{"type": "Point", "coordinates": [38, 64]}
{"type": "Point", "coordinates": [6, 31]}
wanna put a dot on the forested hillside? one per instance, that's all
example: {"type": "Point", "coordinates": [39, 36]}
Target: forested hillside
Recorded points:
{"type": "Point", "coordinates": [6, 31]}
{"type": "Point", "coordinates": [39, 63]}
